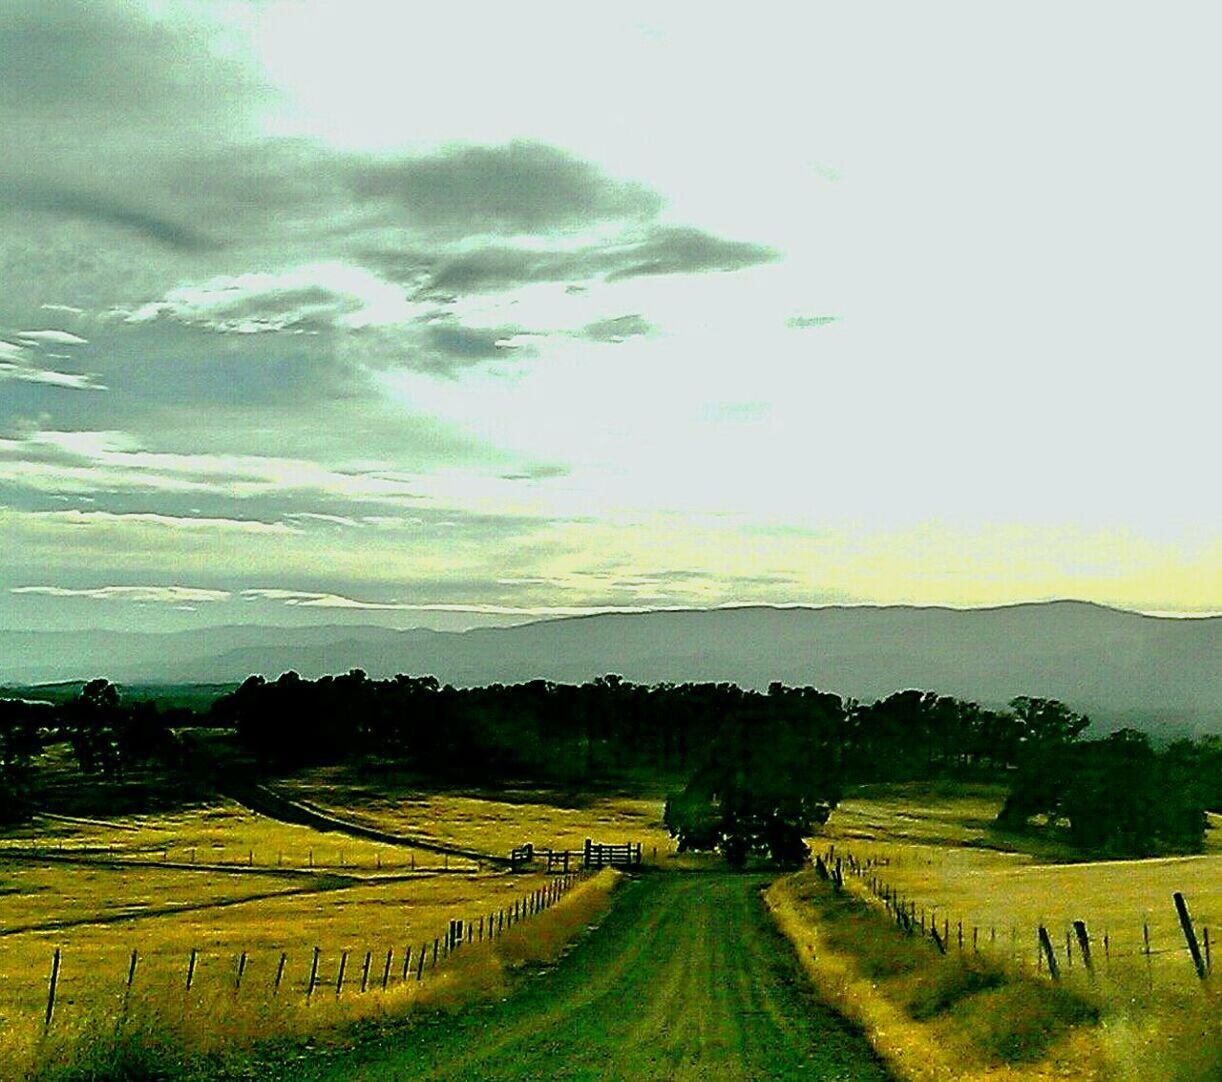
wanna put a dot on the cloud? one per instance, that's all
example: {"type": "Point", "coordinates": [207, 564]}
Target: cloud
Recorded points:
{"type": "Point", "coordinates": [304, 599]}
{"type": "Point", "coordinates": [158, 594]}
{"type": "Point", "coordinates": [63, 338]}
{"type": "Point", "coordinates": [85, 519]}
{"type": "Point", "coordinates": [801, 322]}
{"type": "Point", "coordinates": [618, 329]}
{"type": "Point", "coordinates": [86, 462]}
{"type": "Point", "coordinates": [654, 250]}
{"type": "Point", "coordinates": [49, 197]}
{"type": "Point", "coordinates": [315, 600]}
{"type": "Point", "coordinates": [684, 250]}
{"type": "Point", "coordinates": [541, 472]}
{"type": "Point", "coordinates": [17, 362]}
{"type": "Point", "coordinates": [513, 189]}
{"type": "Point", "coordinates": [27, 374]}
{"type": "Point", "coordinates": [252, 303]}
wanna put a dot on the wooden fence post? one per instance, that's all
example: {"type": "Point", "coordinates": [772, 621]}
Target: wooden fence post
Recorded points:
{"type": "Point", "coordinates": [1049, 953]}
{"type": "Point", "coordinates": [365, 971]}
{"type": "Point", "coordinates": [339, 981]}
{"type": "Point", "coordinates": [131, 976]}
{"type": "Point", "coordinates": [279, 973]}
{"type": "Point", "coordinates": [386, 972]}
{"type": "Point", "coordinates": [1145, 936]}
{"type": "Point", "coordinates": [1194, 948]}
{"type": "Point", "coordinates": [313, 974]}
{"type": "Point", "coordinates": [191, 968]}
{"type": "Point", "coordinates": [407, 962]}
{"type": "Point", "coordinates": [1209, 965]}
{"type": "Point", "coordinates": [933, 931]}
{"type": "Point", "coordinates": [420, 962]}
{"type": "Point", "coordinates": [51, 985]}
{"type": "Point", "coordinates": [237, 981]}
{"type": "Point", "coordinates": [1079, 927]}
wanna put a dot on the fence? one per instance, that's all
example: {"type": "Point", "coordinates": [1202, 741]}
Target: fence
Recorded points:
{"type": "Point", "coordinates": [596, 855]}
{"type": "Point", "coordinates": [307, 974]}
{"type": "Point", "coordinates": [217, 857]}
{"type": "Point", "coordinates": [1096, 952]}
{"type": "Point", "coordinates": [591, 855]}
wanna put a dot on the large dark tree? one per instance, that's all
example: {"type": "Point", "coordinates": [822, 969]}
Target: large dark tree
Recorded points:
{"type": "Point", "coordinates": [767, 779]}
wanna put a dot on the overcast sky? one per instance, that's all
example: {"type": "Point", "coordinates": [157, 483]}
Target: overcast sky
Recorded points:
{"type": "Point", "coordinates": [340, 310]}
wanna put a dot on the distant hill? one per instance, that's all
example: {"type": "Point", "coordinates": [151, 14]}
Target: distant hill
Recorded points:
{"type": "Point", "coordinates": [1121, 667]}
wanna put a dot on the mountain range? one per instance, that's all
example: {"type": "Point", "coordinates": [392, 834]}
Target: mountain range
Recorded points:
{"type": "Point", "coordinates": [1123, 668]}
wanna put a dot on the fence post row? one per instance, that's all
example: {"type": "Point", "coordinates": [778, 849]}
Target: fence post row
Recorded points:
{"type": "Point", "coordinates": [459, 931]}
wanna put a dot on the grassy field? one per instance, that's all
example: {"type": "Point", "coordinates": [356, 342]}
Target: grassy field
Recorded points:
{"type": "Point", "coordinates": [936, 849]}
{"type": "Point", "coordinates": [492, 823]}
{"type": "Point", "coordinates": [220, 835]}
{"type": "Point", "coordinates": [218, 1030]}
{"type": "Point", "coordinates": [222, 882]}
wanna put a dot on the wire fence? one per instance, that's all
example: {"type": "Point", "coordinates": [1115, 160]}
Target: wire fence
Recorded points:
{"type": "Point", "coordinates": [1143, 951]}
{"type": "Point", "coordinates": [268, 976]}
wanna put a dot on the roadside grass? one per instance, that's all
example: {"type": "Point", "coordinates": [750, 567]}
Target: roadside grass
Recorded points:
{"type": "Point", "coordinates": [932, 1016]}
{"type": "Point", "coordinates": [162, 1034]}
{"type": "Point", "coordinates": [934, 846]}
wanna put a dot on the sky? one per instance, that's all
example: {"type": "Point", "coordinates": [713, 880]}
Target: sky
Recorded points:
{"type": "Point", "coordinates": [321, 311]}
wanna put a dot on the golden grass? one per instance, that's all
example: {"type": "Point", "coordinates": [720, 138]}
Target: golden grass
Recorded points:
{"type": "Point", "coordinates": [933, 846]}
{"type": "Point", "coordinates": [224, 834]}
{"type": "Point", "coordinates": [104, 902]}
{"type": "Point", "coordinates": [163, 1021]}
{"type": "Point", "coordinates": [494, 825]}
{"type": "Point", "coordinates": [878, 998]}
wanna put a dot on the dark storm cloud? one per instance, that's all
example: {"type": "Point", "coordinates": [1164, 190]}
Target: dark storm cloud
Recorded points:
{"type": "Point", "coordinates": [511, 189]}
{"type": "Point", "coordinates": [617, 329]}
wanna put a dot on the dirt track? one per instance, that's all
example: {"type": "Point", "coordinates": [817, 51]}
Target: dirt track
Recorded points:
{"type": "Point", "coordinates": [686, 979]}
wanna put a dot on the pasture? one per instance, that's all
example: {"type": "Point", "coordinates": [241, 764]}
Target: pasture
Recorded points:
{"type": "Point", "coordinates": [238, 920]}
{"type": "Point", "coordinates": [935, 850]}
{"type": "Point", "coordinates": [493, 823]}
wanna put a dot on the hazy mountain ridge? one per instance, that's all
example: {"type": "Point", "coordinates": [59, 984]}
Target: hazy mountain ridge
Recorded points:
{"type": "Point", "coordinates": [1119, 665]}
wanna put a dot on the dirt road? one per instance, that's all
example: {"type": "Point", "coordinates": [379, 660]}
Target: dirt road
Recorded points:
{"type": "Point", "coordinates": [686, 979]}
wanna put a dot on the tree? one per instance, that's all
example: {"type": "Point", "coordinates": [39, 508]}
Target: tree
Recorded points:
{"type": "Point", "coordinates": [88, 723]}
{"type": "Point", "coordinates": [768, 778]}
{"type": "Point", "coordinates": [21, 732]}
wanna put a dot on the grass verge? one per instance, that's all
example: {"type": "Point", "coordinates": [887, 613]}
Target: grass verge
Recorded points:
{"type": "Point", "coordinates": [929, 1016]}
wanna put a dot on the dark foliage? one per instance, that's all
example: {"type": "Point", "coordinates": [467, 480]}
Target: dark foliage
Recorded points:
{"type": "Point", "coordinates": [1118, 796]}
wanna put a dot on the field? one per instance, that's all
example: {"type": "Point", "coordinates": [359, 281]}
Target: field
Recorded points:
{"type": "Point", "coordinates": [241, 908]}
{"type": "Point", "coordinates": [935, 849]}
{"type": "Point", "coordinates": [493, 823]}
{"type": "Point", "coordinates": [217, 895]}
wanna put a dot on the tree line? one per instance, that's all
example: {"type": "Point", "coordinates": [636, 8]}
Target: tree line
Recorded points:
{"type": "Point", "coordinates": [761, 768]}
